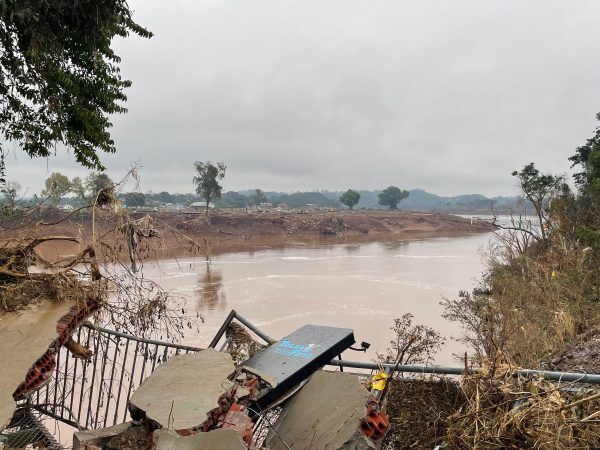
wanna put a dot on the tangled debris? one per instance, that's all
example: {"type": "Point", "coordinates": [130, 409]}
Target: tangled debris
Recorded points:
{"type": "Point", "coordinates": [502, 411]}
{"type": "Point", "coordinates": [418, 410]}
{"type": "Point", "coordinates": [240, 344]}
{"type": "Point", "coordinates": [133, 230]}
{"type": "Point", "coordinates": [94, 282]}
{"type": "Point", "coordinates": [26, 277]}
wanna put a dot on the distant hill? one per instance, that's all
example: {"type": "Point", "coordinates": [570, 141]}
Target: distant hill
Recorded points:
{"type": "Point", "coordinates": [418, 200]}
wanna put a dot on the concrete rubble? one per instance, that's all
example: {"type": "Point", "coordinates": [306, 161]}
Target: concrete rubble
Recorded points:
{"type": "Point", "coordinates": [133, 436]}
{"type": "Point", "coordinates": [326, 413]}
{"type": "Point", "coordinates": [182, 392]}
{"type": "Point", "coordinates": [100, 439]}
{"type": "Point", "coordinates": [221, 439]}
{"type": "Point", "coordinates": [202, 401]}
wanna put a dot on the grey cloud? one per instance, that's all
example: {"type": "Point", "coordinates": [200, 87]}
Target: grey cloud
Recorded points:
{"type": "Point", "coordinates": [447, 96]}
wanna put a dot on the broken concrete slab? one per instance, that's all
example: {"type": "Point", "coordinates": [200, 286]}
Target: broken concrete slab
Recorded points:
{"type": "Point", "coordinates": [325, 414]}
{"type": "Point", "coordinates": [220, 439]}
{"type": "Point", "coordinates": [24, 336]}
{"type": "Point", "coordinates": [182, 392]}
{"type": "Point", "coordinates": [98, 438]}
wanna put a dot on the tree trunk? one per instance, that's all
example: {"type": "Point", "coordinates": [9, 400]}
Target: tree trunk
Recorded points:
{"type": "Point", "coordinates": [538, 205]}
{"type": "Point", "coordinates": [541, 219]}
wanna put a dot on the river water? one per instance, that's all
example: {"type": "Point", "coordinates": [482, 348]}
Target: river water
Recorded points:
{"type": "Point", "coordinates": [359, 286]}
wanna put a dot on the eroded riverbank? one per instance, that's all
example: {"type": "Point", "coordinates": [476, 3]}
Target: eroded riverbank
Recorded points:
{"type": "Point", "coordinates": [234, 231]}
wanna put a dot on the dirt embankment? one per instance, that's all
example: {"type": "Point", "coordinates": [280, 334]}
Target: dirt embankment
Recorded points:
{"type": "Point", "coordinates": [328, 223]}
{"type": "Point", "coordinates": [230, 230]}
{"type": "Point", "coordinates": [239, 230]}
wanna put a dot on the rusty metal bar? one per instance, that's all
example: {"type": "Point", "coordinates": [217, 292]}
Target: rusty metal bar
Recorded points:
{"type": "Point", "coordinates": [235, 315]}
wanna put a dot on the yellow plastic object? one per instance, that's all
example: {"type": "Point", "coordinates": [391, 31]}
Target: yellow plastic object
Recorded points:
{"type": "Point", "coordinates": [379, 381]}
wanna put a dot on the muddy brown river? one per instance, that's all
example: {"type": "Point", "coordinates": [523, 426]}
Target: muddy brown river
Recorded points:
{"type": "Point", "coordinates": [359, 286]}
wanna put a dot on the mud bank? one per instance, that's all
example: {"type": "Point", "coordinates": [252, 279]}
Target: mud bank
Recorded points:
{"type": "Point", "coordinates": [230, 231]}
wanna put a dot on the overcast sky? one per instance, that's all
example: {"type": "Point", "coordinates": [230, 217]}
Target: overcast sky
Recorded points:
{"type": "Point", "coordinates": [449, 96]}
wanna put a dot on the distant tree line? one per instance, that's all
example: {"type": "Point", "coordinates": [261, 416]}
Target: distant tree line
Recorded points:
{"type": "Point", "coordinates": [209, 190]}
{"type": "Point", "coordinates": [59, 187]}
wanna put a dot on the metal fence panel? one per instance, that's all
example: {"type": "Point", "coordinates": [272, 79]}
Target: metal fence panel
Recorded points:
{"type": "Point", "coordinates": [94, 394]}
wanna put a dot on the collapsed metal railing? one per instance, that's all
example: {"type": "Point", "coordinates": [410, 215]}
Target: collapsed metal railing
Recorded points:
{"type": "Point", "coordinates": [94, 394]}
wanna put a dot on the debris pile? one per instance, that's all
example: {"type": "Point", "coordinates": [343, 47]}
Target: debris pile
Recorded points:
{"type": "Point", "coordinates": [185, 400]}
{"type": "Point", "coordinates": [419, 411]}
{"type": "Point", "coordinates": [124, 435]}
{"type": "Point", "coordinates": [278, 397]}
{"type": "Point", "coordinates": [503, 411]}
{"type": "Point", "coordinates": [21, 286]}
{"type": "Point", "coordinates": [584, 357]}
{"type": "Point", "coordinates": [240, 344]}
{"type": "Point", "coordinates": [203, 401]}
{"type": "Point", "coordinates": [318, 225]}
{"type": "Point", "coordinates": [176, 398]}
{"type": "Point", "coordinates": [221, 439]}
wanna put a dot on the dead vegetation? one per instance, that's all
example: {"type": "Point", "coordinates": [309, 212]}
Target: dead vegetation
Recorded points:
{"type": "Point", "coordinates": [240, 343]}
{"type": "Point", "coordinates": [503, 411]}
{"type": "Point", "coordinates": [529, 306]}
{"type": "Point", "coordinates": [583, 355]}
{"type": "Point", "coordinates": [419, 410]}
{"type": "Point", "coordinates": [26, 277]}
{"type": "Point", "coordinates": [106, 267]}
{"type": "Point", "coordinates": [536, 307]}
